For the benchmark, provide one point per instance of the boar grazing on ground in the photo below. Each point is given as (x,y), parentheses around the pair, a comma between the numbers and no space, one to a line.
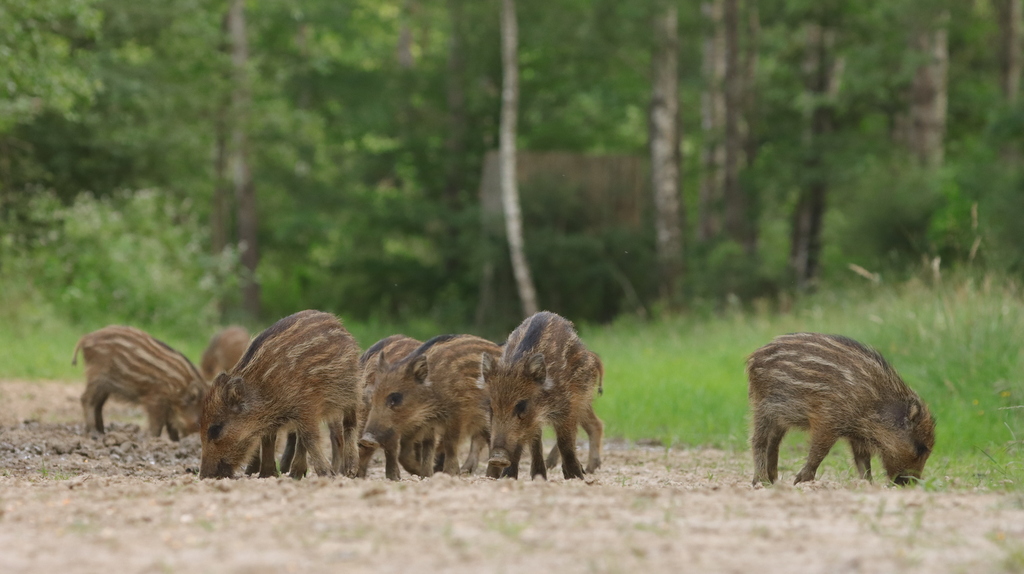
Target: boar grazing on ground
(300,371)
(433,391)
(130,364)
(544,375)
(393,346)
(224,350)
(836,388)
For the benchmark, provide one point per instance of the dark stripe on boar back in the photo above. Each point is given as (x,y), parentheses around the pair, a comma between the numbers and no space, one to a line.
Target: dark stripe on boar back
(425,347)
(275,329)
(864,349)
(179,353)
(538,324)
(376,347)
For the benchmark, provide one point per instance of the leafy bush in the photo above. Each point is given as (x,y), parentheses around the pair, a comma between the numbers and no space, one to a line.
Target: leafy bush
(136,256)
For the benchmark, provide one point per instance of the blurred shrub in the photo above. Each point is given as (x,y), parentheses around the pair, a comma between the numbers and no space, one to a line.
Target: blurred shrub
(136,257)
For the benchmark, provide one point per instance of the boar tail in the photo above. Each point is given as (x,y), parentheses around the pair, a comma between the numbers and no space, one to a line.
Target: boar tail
(74,357)
(600,378)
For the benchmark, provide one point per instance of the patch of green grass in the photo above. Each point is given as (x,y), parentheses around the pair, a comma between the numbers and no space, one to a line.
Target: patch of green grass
(681,379)
(52,474)
(961,347)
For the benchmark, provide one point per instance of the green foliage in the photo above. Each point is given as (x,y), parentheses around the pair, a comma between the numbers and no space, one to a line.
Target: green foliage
(40,69)
(367,171)
(137,256)
(958,346)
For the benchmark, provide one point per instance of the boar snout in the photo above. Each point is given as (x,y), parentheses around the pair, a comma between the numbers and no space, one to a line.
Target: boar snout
(500,458)
(369,440)
(222,470)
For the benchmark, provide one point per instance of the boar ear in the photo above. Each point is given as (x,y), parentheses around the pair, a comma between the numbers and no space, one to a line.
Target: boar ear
(536,369)
(420,371)
(382,364)
(234,395)
(914,412)
(486,364)
(221,379)
(486,368)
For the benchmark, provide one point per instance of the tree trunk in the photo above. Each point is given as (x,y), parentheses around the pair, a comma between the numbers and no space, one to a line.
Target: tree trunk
(709,200)
(245,192)
(404,48)
(749,99)
(928,94)
(455,139)
(735,202)
(507,150)
(823,73)
(219,210)
(664,145)
(1009,15)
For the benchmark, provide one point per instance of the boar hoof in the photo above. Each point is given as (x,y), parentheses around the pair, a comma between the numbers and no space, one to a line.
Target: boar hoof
(804,476)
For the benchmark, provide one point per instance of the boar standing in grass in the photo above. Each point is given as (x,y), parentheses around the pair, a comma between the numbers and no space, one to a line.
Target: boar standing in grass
(130,364)
(300,371)
(224,350)
(836,388)
(545,375)
(432,391)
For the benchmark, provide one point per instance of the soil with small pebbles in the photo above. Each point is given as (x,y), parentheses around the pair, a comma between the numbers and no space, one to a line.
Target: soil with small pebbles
(127,502)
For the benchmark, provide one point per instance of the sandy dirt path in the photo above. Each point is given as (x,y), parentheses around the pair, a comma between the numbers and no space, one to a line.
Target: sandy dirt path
(129,503)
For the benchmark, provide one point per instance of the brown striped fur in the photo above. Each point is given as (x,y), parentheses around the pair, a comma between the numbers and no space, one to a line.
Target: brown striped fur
(431,392)
(128,363)
(392,346)
(836,388)
(298,372)
(545,375)
(224,350)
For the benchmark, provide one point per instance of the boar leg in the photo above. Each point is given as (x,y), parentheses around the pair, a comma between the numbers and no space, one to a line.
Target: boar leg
(298,466)
(476,444)
(308,435)
(172,433)
(268,444)
(537,467)
(595,431)
(409,454)
(157,418)
(365,454)
(254,463)
(565,433)
(553,457)
(862,457)
(512,470)
(821,443)
(289,453)
(337,436)
(391,471)
(427,448)
(450,450)
(93,399)
(350,445)
(764,445)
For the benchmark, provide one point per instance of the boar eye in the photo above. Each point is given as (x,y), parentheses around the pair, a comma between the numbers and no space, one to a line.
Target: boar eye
(520,409)
(394,400)
(214,432)
(921,449)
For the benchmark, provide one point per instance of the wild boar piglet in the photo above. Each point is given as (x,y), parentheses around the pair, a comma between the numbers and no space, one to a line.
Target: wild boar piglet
(836,388)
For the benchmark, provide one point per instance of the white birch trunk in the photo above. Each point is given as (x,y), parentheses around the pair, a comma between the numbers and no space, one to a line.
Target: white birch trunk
(507,151)
(664,146)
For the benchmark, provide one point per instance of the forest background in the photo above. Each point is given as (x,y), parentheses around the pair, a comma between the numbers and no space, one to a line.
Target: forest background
(853,166)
